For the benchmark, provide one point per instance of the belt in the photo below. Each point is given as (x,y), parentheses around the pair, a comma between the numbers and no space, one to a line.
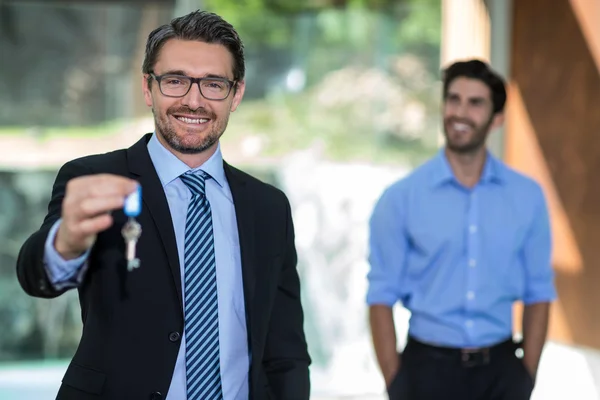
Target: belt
(469,357)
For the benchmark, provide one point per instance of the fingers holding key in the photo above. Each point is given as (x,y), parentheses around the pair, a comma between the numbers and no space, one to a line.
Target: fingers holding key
(86,210)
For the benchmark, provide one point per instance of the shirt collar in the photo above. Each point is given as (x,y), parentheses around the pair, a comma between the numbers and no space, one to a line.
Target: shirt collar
(169,167)
(442,172)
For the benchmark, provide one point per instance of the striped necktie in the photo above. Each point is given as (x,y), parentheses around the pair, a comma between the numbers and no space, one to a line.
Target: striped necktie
(203,376)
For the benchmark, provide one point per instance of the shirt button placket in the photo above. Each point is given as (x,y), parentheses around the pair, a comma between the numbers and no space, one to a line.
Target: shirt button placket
(472,254)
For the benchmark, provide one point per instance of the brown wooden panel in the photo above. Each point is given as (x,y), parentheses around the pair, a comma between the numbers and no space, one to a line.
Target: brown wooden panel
(558,83)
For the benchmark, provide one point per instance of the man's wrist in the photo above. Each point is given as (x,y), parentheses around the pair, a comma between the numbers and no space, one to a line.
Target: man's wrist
(65,253)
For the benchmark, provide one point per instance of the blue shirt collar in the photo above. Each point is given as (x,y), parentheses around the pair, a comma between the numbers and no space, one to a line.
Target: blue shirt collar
(442,172)
(169,167)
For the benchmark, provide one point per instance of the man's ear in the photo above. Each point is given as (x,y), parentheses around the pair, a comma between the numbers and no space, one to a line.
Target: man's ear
(147,89)
(498,120)
(238,95)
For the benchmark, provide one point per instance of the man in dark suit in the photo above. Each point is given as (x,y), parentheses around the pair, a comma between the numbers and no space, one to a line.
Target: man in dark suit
(213,311)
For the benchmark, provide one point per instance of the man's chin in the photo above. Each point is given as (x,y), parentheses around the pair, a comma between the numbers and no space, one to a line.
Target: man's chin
(192,148)
(188,142)
(464,148)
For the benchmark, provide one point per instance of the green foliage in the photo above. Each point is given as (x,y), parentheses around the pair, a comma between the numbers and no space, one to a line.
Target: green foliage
(355,121)
(257,24)
(333,35)
(355,24)
(422,24)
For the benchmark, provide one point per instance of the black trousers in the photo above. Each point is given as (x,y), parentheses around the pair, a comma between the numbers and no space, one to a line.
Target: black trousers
(435,373)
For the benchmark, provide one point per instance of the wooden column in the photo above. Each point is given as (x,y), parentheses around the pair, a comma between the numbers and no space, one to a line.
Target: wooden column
(552,135)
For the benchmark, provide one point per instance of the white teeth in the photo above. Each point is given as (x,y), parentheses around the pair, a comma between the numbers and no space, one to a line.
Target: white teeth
(460,127)
(193,121)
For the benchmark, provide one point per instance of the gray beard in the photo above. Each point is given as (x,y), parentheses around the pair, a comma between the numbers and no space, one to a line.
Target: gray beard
(169,135)
(173,141)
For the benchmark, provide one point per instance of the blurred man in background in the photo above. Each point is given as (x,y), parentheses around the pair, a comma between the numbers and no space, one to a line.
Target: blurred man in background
(457,242)
(213,311)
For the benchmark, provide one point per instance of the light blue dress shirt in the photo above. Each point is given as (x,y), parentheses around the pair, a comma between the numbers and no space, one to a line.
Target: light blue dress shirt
(235,359)
(457,258)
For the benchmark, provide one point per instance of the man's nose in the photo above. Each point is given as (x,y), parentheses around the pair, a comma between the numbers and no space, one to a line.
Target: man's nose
(460,111)
(194,99)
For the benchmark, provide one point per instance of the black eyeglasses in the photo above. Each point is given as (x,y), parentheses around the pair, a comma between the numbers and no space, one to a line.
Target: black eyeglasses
(172,85)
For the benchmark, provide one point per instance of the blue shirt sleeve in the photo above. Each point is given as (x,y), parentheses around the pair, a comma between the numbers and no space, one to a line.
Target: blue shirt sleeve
(63,274)
(388,247)
(537,256)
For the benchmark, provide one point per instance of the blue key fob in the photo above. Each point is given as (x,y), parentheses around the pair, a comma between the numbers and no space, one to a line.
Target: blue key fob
(133,203)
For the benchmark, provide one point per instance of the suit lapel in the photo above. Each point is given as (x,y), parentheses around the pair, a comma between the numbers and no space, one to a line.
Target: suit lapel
(242,200)
(153,196)
(140,166)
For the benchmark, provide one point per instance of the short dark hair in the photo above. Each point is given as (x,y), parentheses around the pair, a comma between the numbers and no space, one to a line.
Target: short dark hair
(477,69)
(201,26)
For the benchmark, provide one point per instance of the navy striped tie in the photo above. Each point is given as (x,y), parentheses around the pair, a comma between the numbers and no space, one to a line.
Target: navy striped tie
(203,375)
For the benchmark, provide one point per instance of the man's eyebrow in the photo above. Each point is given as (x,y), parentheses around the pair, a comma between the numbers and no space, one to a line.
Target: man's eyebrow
(183,73)
(173,72)
(477,99)
(216,76)
(472,99)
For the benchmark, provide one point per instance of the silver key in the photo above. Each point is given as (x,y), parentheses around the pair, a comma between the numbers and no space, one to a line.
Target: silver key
(132,230)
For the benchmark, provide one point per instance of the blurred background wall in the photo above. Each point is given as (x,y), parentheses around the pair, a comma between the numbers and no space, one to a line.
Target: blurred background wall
(339,92)
(553,127)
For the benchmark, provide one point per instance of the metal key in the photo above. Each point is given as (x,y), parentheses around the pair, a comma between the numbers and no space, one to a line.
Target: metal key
(131,232)
(132,229)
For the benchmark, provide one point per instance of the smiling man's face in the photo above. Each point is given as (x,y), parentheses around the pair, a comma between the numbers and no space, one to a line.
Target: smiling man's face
(191,124)
(468,115)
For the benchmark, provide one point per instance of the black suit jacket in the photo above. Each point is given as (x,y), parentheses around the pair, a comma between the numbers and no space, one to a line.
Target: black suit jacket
(132,321)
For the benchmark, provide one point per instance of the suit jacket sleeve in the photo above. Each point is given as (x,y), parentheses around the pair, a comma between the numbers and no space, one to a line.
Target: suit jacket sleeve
(286,358)
(31,271)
